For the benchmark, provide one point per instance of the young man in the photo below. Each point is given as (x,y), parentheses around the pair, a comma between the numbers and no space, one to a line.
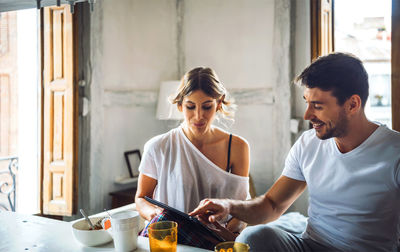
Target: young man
(350,165)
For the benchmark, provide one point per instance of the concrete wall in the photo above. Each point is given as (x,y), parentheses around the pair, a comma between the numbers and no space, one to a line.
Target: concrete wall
(134,45)
(133,49)
(301,58)
(236,38)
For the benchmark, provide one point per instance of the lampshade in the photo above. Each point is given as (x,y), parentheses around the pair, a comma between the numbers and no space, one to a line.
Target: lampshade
(165,109)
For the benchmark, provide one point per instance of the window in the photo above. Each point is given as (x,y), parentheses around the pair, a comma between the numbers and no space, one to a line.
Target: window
(367,34)
(381,54)
(38,115)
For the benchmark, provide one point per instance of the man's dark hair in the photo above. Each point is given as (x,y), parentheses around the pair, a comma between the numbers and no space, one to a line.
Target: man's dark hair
(341,73)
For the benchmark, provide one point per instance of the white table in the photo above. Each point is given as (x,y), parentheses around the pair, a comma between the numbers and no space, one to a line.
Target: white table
(32,233)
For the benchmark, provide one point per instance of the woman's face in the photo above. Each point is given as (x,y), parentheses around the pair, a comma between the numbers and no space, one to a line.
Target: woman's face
(199,111)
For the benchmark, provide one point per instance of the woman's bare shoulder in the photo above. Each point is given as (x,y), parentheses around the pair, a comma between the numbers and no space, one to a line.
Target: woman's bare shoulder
(226,134)
(240,142)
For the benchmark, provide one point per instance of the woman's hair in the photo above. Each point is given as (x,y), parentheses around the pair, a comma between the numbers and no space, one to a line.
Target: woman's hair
(206,80)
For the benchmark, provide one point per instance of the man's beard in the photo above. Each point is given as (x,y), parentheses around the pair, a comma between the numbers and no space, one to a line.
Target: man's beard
(338,130)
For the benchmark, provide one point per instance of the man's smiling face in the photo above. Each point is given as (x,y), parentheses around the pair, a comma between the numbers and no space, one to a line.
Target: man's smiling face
(328,118)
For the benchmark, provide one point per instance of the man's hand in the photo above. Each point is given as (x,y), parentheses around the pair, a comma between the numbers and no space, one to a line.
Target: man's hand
(215,209)
(218,229)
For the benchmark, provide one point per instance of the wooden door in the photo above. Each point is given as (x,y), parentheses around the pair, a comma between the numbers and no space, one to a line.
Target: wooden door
(60,112)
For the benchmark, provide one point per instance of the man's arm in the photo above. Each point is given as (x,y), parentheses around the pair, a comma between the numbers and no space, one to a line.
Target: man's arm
(263,209)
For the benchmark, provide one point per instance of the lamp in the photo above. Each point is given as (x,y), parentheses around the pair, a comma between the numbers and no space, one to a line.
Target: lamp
(165,109)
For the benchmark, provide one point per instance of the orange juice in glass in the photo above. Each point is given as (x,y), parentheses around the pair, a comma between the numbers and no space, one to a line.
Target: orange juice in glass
(163,236)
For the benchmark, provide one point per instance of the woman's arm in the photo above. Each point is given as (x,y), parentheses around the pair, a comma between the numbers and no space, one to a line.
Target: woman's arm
(240,156)
(146,186)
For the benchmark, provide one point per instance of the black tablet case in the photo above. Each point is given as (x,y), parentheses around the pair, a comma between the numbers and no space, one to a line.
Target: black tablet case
(208,238)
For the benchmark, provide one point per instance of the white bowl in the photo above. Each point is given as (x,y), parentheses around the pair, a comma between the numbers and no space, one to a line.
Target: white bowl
(87,237)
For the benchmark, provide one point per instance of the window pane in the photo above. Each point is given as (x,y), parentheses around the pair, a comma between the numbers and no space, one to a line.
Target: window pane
(367,34)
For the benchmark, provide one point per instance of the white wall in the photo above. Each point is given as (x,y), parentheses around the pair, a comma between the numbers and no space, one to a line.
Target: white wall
(235,38)
(302,57)
(133,50)
(136,44)
(302,52)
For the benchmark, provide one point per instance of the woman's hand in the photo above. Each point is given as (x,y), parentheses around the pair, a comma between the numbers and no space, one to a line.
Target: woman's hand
(146,187)
(156,211)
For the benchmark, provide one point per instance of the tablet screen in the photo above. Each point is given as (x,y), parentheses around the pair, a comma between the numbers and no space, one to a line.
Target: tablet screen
(185,216)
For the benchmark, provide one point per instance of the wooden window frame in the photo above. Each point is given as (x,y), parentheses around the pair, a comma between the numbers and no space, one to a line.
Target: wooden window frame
(322,27)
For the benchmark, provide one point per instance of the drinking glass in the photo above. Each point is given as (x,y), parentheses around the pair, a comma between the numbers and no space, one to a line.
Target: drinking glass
(231,246)
(163,236)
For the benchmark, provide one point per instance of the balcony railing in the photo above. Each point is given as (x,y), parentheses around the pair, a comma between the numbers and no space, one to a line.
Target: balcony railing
(8,183)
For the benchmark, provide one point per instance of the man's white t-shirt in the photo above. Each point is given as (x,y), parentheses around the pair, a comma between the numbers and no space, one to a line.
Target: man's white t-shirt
(184,175)
(354,197)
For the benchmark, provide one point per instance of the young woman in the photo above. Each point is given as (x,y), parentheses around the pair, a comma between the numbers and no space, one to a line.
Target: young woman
(195,160)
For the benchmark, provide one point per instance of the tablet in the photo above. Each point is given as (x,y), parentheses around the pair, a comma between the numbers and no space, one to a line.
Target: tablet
(190,219)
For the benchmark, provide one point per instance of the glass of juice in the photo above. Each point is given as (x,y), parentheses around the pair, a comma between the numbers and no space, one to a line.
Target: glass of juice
(231,246)
(163,236)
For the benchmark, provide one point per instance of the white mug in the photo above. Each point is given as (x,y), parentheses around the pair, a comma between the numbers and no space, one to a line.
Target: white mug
(124,227)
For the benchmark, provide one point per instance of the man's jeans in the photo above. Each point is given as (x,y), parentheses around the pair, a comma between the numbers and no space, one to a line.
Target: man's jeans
(263,238)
